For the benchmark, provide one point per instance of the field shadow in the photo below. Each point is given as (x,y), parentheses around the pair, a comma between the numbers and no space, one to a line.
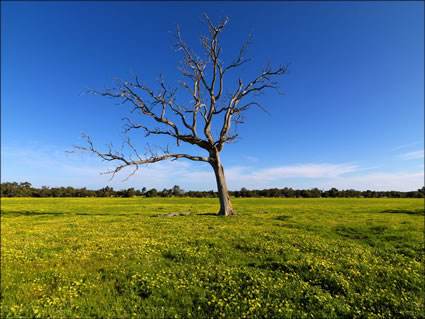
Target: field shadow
(283,217)
(308,273)
(27,213)
(107,214)
(351,232)
(207,214)
(404,211)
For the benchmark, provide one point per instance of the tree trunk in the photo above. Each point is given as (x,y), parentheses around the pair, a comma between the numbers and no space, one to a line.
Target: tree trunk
(223,193)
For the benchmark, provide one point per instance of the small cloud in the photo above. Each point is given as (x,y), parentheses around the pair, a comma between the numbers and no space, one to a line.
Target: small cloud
(412,155)
(407,145)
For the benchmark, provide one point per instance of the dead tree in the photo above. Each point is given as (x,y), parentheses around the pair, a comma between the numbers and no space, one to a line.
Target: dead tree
(203,78)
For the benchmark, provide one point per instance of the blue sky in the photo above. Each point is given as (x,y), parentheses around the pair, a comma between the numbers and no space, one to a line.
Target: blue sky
(352,115)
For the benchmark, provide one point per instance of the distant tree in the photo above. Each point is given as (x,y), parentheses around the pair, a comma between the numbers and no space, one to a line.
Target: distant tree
(44,192)
(244,192)
(211,110)
(25,185)
(349,193)
(8,190)
(105,192)
(394,194)
(212,194)
(82,192)
(14,189)
(367,194)
(305,193)
(333,192)
(108,191)
(56,192)
(315,192)
(275,192)
(177,191)
(129,192)
(288,192)
(152,193)
(165,193)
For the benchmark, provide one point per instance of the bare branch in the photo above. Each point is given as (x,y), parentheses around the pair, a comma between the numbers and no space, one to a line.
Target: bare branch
(114,156)
(241,58)
(264,80)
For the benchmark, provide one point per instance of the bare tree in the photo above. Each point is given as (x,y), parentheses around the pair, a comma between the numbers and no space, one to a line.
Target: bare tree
(203,79)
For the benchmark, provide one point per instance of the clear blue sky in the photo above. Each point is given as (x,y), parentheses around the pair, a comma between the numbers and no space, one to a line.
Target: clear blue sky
(352,115)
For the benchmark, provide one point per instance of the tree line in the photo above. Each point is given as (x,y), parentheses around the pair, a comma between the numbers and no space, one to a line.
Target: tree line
(25,189)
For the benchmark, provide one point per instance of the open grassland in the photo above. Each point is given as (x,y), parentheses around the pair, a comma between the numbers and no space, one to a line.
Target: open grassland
(304,258)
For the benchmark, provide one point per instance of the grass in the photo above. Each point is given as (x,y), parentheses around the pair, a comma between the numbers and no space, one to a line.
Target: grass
(302,258)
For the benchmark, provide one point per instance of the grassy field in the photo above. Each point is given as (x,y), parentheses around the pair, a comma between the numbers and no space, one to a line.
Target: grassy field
(303,258)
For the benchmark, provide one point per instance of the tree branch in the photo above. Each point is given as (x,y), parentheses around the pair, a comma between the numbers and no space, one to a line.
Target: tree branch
(151,157)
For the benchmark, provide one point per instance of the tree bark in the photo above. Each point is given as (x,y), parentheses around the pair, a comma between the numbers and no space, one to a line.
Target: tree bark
(226,208)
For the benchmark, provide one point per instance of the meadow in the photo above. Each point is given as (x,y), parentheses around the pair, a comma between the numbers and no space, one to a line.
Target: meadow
(282,258)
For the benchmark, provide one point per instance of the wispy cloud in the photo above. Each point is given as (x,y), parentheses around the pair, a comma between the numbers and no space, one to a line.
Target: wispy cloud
(400,181)
(78,170)
(399,147)
(324,176)
(412,155)
(267,176)
(51,166)
(281,176)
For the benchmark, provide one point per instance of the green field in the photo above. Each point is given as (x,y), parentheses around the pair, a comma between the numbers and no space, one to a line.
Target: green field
(302,258)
